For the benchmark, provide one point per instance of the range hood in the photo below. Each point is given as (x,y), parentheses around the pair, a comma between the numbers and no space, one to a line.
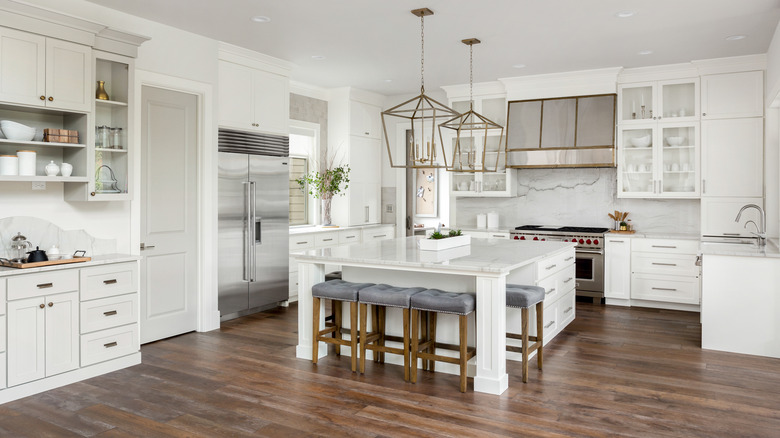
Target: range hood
(576,131)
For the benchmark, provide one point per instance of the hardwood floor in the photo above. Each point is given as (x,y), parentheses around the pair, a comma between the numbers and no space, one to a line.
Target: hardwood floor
(612,372)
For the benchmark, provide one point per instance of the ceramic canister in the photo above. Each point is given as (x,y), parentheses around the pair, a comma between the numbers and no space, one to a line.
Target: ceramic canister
(481,220)
(26,162)
(9,165)
(66,169)
(52,169)
(492,219)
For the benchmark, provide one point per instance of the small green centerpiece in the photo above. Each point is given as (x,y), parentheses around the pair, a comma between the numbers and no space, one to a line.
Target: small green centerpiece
(439,241)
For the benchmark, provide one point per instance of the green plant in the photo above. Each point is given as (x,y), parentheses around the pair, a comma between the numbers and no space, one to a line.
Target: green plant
(454,233)
(323,185)
(437,235)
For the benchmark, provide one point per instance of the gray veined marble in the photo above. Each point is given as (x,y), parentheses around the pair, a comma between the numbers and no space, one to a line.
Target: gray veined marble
(45,234)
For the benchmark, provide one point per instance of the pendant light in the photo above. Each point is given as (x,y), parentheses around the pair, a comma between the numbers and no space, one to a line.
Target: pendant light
(423,150)
(472,127)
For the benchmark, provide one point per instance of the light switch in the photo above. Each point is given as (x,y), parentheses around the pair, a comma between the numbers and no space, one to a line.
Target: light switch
(389,208)
(39,185)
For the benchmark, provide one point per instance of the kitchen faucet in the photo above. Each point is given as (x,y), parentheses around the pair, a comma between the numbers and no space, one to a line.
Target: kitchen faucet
(761,234)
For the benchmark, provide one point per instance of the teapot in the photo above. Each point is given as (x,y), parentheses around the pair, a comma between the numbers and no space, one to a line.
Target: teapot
(19,246)
(38,255)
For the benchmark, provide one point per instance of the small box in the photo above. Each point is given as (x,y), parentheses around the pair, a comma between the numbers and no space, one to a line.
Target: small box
(73,136)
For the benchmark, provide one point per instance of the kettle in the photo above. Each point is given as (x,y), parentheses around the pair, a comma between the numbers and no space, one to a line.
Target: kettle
(38,255)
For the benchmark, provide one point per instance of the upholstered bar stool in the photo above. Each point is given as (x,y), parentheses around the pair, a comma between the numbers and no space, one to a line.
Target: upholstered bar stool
(523,297)
(438,301)
(382,296)
(337,291)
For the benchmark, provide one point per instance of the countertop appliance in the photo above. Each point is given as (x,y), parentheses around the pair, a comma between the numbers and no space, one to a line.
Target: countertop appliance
(589,251)
(253,222)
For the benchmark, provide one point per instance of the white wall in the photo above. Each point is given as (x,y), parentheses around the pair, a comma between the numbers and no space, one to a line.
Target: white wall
(772,136)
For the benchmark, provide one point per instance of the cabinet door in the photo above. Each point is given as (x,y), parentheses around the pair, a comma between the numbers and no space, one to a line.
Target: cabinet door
(372,199)
(636,166)
(271,102)
(718,214)
(733,157)
(679,100)
(365,159)
(235,96)
(26,346)
(636,102)
(62,333)
(732,95)
(68,75)
(364,120)
(617,268)
(678,160)
(22,67)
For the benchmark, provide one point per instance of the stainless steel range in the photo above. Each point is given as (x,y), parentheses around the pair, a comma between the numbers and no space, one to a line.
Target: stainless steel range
(589,252)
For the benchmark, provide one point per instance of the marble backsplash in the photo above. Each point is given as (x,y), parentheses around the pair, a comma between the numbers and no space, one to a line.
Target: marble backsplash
(44,234)
(579,197)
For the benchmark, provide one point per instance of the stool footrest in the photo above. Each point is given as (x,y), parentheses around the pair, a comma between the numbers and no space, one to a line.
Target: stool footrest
(520,337)
(531,348)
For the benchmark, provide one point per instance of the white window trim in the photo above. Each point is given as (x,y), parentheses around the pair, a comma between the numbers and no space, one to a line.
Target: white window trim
(309,129)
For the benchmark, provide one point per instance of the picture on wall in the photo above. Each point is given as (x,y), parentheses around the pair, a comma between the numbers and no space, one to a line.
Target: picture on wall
(425,192)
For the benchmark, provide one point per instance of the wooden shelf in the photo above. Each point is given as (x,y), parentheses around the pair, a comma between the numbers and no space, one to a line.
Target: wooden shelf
(77,179)
(42,144)
(109,102)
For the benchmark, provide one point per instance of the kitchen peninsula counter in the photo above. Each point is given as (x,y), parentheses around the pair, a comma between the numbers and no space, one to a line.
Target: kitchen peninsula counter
(96,261)
(484,267)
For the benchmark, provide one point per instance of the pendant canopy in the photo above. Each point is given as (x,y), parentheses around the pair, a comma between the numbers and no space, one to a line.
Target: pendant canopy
(423,150)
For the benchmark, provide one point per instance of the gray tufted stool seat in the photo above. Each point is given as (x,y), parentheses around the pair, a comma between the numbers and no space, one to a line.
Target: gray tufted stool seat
(433,302)
(382,296)
(525,297)
(337,291)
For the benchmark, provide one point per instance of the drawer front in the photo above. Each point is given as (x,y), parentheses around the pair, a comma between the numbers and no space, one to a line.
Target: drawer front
(109,312)
(665,246)
(324,240)
(293,283)
(109,280)
(349,236)
(2,296)
(567,308)
(551,292)
(558,284)
(552,265)
(550,326)
(2,335)
(109,344)
(666,264)
(299,242)
(654,288)
(378,233)
(44,283)
(3,372)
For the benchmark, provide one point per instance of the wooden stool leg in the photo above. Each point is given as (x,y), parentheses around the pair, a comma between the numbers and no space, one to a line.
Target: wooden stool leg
(406,344)
(338,311)
(363,333)
(524,317)
(382,327)
(432,328)
(539,332)
(463,338)
(353,330)
(315,304)
(375,327)
(415,342)
(425,334)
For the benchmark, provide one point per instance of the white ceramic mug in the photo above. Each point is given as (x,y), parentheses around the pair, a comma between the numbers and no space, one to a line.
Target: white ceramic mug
(66,169)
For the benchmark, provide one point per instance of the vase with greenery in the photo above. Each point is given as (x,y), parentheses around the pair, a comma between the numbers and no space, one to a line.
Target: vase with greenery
(334,180)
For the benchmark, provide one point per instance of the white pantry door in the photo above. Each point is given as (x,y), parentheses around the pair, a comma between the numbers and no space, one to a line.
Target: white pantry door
(169,295)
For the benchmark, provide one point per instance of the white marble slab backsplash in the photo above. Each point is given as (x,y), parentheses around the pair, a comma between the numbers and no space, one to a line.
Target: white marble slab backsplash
(579,197)
(44,234)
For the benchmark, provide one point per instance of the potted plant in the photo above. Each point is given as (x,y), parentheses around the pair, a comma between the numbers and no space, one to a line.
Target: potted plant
(333,180)
(439,241)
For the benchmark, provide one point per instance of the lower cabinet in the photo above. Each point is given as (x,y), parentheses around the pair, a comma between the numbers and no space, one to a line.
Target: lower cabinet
(617,269)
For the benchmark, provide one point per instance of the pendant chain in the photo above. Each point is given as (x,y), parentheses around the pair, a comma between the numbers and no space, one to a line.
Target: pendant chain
(471,77)
(422,54)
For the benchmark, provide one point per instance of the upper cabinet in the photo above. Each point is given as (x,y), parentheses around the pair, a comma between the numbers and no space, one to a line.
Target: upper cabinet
(732,95)
(672,100)
(251,99)
(365,120)
(44,72)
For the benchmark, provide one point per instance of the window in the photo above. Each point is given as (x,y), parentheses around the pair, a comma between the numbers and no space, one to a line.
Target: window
(304,148)
(299,212)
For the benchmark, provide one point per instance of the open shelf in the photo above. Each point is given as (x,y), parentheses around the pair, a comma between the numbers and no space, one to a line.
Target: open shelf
(42,143)
(17,178)
(109,102)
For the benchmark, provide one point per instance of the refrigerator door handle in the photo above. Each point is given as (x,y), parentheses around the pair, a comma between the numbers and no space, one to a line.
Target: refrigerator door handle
(253,226)
(247,203)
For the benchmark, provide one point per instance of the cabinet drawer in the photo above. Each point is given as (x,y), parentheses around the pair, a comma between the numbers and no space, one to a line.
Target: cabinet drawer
(300,242)
(109,312)
(2,296)
(324,240)
(551,321)
(349,236)
(654,288)
(667,264)
(666,246)
(2,335)
(567,308)
(378,233)
(554,264)
(109,344)
(44,283)
(109,280)
(558,284)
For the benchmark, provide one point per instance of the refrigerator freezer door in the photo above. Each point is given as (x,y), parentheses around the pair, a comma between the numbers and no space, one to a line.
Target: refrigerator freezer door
(270,233)
(234,269)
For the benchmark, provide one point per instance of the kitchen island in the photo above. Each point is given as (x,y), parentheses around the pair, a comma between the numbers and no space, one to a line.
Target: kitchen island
(484,267)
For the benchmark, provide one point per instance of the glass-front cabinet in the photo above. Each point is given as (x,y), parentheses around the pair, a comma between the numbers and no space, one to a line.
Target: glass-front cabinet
(673,101)
(658,160)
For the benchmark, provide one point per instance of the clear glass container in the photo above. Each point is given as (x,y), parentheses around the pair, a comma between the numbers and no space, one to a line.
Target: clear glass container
(101,136)
(116,138)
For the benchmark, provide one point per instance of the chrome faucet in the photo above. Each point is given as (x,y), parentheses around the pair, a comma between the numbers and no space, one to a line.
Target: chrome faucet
(761,234)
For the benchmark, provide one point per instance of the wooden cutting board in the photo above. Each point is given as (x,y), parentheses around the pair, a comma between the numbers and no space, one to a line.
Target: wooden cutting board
(10,264)
(622,231)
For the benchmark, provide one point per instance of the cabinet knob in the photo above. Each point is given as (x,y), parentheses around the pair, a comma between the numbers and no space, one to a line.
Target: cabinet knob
(367,133)
(41,305)
(92,194)
(51,304)
(704,114)
(43,97)
(51,99)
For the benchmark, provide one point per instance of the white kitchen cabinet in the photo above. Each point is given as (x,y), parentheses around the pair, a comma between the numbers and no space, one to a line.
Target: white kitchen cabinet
(733,157)
(732,95)
(718,214)
(365,120)
(44,72)
(665,271)
(252,99)
(617,269)
(671,100)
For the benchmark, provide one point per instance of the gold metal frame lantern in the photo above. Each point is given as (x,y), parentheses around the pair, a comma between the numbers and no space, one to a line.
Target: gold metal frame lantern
(424,113)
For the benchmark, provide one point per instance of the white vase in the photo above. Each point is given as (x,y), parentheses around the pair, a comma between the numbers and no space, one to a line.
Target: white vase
(67,169)
(326,204)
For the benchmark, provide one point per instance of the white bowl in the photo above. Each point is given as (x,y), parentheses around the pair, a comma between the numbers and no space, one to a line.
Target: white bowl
(641,142)
(16,131)
(675,141)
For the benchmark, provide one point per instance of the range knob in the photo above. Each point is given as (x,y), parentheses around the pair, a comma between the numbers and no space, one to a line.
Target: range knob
(565,240)
(543,239)
(536,238)
(517,237)
(588,241)
(522,237)
(596,241)
(581,241)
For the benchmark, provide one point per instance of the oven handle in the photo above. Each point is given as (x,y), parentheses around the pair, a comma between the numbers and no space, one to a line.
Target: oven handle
(589,251)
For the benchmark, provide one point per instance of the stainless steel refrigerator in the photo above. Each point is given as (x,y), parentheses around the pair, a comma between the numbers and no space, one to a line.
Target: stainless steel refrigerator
(253,222)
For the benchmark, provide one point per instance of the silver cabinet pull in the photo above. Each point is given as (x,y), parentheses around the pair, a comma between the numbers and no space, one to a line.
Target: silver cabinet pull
(665,264)
(568,279)
(144,246)
(112,281)
(301,243)
(663,246)
(110,344)
(731,234)
(367,208)
(665,288)
(704,184)
(617,241)
(497,235)
(568,310)
(550,291)
(380,235)
(350,237)
(550,267)
(569,259)
(366,133)
(45,285)
(327,240)
(549,325)
(110,313)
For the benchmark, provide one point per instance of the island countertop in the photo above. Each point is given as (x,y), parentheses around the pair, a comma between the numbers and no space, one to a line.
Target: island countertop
(496,256)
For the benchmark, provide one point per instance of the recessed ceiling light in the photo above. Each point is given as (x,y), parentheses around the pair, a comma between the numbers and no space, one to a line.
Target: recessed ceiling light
(625,14)
(388,80)
(260,19)
(317,57)
(645,52)
(735,37)
(519,66)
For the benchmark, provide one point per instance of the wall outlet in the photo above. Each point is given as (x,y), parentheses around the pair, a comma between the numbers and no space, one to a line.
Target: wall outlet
(389,208)
(39,185)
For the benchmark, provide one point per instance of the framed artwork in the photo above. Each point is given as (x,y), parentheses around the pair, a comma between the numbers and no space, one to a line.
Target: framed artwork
(425,190)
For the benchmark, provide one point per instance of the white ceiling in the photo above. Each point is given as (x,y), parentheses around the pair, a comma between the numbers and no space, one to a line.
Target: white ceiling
(367,43)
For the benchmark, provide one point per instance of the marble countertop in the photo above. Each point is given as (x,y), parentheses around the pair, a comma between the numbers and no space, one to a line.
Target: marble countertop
(655,235)
(96,261)
(496,256)
(741,250)
(321,229)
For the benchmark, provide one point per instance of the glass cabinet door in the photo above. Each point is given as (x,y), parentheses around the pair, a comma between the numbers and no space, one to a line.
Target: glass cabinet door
(678,156)
(636,165)
(637,102)
(679,100)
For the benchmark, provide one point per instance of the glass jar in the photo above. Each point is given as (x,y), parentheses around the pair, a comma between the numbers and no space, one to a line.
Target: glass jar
(116,138)
(101,136)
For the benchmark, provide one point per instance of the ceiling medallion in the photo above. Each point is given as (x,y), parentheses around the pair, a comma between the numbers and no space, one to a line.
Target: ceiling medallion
(424,114)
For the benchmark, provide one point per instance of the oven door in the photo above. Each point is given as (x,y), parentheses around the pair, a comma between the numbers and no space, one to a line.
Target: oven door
(590,273)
